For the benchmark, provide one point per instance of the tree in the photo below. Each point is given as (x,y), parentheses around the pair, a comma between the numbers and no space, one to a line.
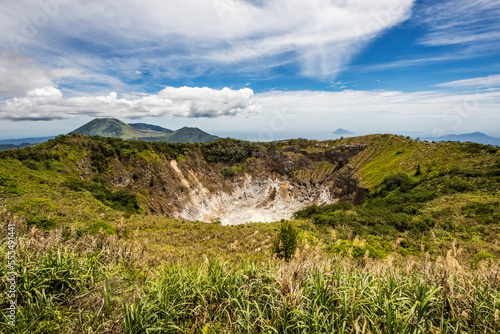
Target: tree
(285,243)
(419,170)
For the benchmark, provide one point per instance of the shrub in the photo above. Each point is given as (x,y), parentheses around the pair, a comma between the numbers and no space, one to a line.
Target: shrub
(74,184)
(448,226)
(228,172)
(227,150)
(8,186)
(307,212)
(285,243)
(411,210)
(313,210)
(181,158)
(31,164)
(122,200)
(34,208)
(401,180)
(43,222)
(481,256)
(457,185)
(422,225)
(334,219)
(100,225)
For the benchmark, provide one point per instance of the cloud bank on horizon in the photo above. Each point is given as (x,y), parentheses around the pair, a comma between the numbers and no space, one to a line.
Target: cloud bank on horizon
(47,103)
(198,59)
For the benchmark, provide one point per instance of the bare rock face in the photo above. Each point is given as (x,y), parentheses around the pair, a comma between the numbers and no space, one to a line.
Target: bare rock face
(273,187)
(269,186)
(253,200)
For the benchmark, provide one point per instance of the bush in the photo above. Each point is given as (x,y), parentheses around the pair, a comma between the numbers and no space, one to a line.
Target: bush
(121,200)
(422,225)
(8,186)
(74,184)
(228,172)
(313,210)
(35,208)
(401,181)
(334,219)
(411,210)
(43,222)
(457,185)
(227,150)
(418,172)
(478,257)
(285,243)
(100,225)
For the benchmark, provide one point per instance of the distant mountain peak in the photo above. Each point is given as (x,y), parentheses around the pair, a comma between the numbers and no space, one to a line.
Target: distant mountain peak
(107,127)
(111,127)
(341,131)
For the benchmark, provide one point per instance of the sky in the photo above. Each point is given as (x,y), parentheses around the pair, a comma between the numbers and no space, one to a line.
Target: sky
(252,69)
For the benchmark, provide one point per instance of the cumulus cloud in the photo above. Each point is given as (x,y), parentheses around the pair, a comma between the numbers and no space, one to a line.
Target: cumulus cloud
(319,35)
(48,103)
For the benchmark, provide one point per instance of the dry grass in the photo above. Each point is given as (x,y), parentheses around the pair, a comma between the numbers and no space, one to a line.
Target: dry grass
(111,284)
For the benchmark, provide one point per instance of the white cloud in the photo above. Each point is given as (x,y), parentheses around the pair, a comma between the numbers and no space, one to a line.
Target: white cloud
(481,82)
(461,22)
(320,35)
(19,74)
(48,103)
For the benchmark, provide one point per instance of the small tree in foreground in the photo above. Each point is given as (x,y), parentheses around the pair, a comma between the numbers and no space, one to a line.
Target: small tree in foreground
(285,243)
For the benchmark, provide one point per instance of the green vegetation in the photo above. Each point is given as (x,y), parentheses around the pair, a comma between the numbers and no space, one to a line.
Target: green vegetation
(122,200)
(108,127)
(419,255)
(8,186)
(100,283)
(413,209)
(227,150)
(232,171)
(285,244)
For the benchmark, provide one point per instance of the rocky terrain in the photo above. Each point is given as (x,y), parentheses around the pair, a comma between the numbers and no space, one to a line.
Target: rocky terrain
(266,186)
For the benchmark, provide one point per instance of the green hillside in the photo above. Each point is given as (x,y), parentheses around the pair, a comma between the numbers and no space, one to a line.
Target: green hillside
(144,126)
(419,254)
(184,135)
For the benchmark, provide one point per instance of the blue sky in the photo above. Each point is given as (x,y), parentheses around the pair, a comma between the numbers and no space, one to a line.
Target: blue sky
(259,70)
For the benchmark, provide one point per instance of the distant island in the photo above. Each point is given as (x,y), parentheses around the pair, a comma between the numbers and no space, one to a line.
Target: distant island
(475,137)
(341,131)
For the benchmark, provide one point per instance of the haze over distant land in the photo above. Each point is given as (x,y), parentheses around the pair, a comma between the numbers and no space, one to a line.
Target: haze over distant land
(258,70)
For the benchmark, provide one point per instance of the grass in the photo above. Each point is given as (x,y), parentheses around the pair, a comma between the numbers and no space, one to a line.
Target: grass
(392,154)
(329,296)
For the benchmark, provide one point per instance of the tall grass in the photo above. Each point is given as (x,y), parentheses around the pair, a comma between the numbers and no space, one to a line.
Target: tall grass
(63,280)
(327,297)
(101,284)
